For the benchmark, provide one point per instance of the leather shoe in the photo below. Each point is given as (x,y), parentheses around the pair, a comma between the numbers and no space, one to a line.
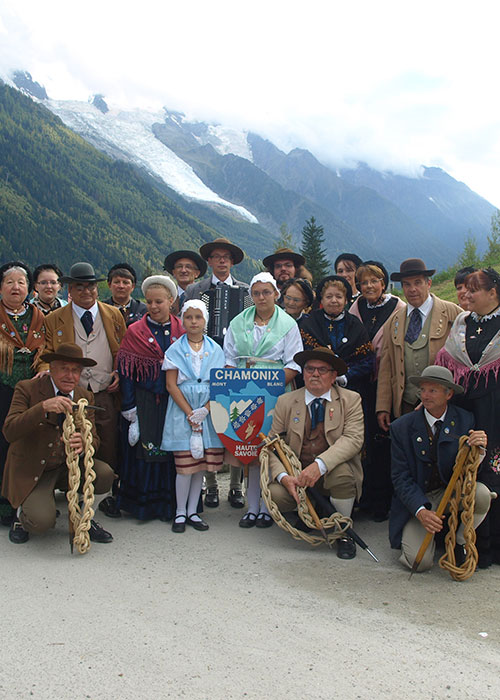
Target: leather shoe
(179,525)
(248,520)
(7,520)
(235,498)
(108,507)
(346,548)
(212,497)
(460,554)
(264,520)
(98,533)
(17,533)
(197,524)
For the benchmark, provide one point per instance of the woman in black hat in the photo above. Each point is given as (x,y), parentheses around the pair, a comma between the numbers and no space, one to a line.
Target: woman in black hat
(373,308)
(346,266)
(22,336)
(334,327)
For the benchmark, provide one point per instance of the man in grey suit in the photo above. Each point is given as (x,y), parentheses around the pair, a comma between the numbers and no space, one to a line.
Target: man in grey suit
(221,256)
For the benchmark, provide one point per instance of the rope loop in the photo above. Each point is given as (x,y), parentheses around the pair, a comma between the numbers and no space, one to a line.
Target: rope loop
(335,525)
(80,519)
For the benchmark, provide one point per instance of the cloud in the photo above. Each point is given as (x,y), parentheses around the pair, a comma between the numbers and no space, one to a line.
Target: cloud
(390,83)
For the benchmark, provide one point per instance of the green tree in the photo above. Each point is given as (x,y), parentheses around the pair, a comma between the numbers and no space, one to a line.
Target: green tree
(316,259)
(285,240)
(234,413)
(492,256)
(469,255)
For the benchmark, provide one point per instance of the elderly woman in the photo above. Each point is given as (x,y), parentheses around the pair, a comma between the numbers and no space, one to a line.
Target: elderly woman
(47,286)
(472,353)
(346,266)
(262,336)
(147,482)
(373,308)
(21,343)
(334,327)
(297,297)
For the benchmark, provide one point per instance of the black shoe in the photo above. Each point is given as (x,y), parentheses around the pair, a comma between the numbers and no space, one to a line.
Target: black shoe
(460,554)
(346,548)
(236,498)
(248,520)
(379,516)
(98,533)
(212,497)
(179,525)
(198,524)
(17,533)
(7,520)
(108,507)
(264,520)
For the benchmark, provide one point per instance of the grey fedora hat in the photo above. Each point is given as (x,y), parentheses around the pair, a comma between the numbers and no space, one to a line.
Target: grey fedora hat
(81,272)
(439,375)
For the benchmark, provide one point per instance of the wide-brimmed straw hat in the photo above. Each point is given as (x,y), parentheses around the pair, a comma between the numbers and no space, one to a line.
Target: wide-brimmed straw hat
(207,248)
(411,267)
(323,354)
(69,352)
(439,375)
(81,272)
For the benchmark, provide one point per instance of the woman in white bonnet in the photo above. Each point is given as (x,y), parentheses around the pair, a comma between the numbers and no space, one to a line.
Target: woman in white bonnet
(188,430)
(263,335)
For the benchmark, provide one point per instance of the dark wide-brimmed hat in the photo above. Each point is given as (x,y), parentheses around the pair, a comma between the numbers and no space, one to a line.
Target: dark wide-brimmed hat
(207,248)
(81,272)
(69,352)
(172,258)
(323,354)
(411,267)
(284,254)
(440,375)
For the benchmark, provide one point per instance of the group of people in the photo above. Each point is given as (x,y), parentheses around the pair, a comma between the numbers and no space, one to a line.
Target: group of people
(378,390)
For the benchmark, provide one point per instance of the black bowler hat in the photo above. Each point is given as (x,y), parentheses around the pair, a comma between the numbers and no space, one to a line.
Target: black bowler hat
(81,272)
(172,258)
(411,267)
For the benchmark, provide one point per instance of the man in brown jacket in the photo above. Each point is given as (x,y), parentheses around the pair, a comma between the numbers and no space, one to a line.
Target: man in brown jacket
(98,329)
(324,427)
(36,460)
(412,338)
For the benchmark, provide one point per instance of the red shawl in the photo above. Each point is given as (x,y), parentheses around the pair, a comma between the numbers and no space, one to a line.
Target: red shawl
(10,338)
(140,357)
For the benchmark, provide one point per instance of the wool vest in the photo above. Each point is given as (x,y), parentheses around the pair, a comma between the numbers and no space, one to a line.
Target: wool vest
(314,443)
(416,359)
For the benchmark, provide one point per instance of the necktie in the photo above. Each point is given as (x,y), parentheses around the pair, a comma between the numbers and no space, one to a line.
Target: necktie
(61,416)
(317,412)
(222,284)
(181,299)
(87,322)
(414,327)
(437,430)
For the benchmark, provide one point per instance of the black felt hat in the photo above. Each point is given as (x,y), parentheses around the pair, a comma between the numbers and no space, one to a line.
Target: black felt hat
(411,267)
(323,354)
(172,258)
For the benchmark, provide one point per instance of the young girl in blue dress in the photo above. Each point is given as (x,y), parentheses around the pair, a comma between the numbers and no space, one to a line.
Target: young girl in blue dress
(188,429)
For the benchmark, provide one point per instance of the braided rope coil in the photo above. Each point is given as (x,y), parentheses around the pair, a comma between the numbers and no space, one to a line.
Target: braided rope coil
(335,525)
(464,493)
(80,519)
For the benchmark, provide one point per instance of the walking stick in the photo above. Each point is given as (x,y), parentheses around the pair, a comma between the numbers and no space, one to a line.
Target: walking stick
(457,470)
(288,467)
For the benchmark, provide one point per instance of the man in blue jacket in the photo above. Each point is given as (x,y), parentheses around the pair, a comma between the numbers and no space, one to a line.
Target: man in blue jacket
(424,446)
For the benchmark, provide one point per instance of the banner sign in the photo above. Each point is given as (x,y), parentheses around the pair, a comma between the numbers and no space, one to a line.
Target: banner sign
(241,406)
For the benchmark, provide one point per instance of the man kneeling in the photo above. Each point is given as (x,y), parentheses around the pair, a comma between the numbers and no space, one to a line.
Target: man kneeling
(324,427)
(36,460)
(424,447)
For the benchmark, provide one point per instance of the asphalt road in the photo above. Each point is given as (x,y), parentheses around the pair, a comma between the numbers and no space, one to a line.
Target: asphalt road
(233,613)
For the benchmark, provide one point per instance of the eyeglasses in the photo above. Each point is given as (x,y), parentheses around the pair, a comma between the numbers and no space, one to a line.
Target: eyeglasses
(294,300)
(286,264)
(264,293)
(220,258)
(320,370)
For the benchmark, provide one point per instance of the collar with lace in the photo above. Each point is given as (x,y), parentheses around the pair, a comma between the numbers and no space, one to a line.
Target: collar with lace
(385,299)
(479,319)
(335,318)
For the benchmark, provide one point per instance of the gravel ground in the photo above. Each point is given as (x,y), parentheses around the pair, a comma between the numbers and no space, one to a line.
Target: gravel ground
(233,613)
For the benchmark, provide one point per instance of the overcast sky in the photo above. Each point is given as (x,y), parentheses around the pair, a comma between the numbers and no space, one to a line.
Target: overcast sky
(395,84)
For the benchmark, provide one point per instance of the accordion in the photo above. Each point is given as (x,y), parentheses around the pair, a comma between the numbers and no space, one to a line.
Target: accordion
(223,304)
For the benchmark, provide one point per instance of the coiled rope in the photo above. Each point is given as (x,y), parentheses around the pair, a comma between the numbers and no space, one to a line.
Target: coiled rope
(464,493)
(80,520)
(335,525)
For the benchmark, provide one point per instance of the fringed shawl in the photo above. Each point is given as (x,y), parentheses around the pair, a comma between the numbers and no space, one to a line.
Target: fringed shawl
(454,356)
(140,357)
(11,341)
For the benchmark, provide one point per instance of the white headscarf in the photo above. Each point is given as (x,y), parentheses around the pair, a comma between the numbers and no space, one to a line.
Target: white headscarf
(264,277)
(195,304)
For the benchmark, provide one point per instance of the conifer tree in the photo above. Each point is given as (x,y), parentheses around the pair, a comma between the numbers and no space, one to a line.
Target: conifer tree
(316,259)
(285,240)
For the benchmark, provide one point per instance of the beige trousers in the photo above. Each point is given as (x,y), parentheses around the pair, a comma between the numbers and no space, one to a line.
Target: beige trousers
(338,483)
